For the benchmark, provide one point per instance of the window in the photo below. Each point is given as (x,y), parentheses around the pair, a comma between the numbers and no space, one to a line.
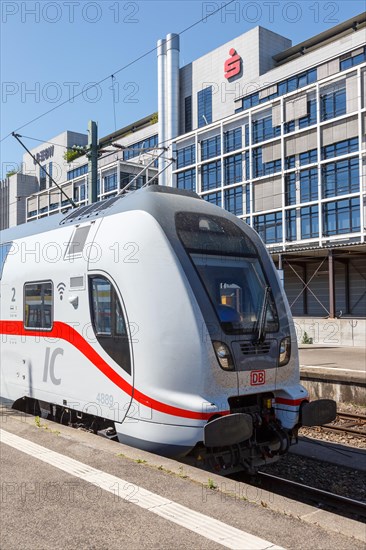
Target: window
(250,101)
(269,227)
(76,172)
(186,156)
(291,225)
(290,162)
(134,149)
(4,251)
(110,182)
(79,193)
(233,169)
(308,157)
(247,200)
(309,185)
(188,113)
(310,118)
(187,180)
(290,189)
(50,168)
(340,178)
(204,110)
(340,148)
(213,198)
(263,169)
(333,104)
(341,216)
(289,127)
(108,321)
(247,165)
(262,129)
(126,179)
(234,200)
(353,60)
(210,147)
(309,222)
(38,305)
(211,175)
(42,178)
(230,271)
(232,140)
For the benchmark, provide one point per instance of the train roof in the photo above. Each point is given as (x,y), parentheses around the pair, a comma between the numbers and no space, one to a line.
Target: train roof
(142,199)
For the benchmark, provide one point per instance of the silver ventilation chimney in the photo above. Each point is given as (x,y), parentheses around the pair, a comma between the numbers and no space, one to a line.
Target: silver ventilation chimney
(161,53)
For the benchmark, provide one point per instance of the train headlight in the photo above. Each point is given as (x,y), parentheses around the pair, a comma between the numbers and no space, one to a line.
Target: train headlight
(285,352)
(223,355)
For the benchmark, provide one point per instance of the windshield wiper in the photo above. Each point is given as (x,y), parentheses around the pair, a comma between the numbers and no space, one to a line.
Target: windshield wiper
(260,333)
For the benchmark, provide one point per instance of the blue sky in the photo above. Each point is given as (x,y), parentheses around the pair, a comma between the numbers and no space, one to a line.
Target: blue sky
(51,50)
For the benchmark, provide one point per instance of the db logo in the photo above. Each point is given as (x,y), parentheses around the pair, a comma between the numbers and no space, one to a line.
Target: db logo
(257,377)
(232,65)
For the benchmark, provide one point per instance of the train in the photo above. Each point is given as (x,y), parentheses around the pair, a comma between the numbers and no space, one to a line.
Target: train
(157,319)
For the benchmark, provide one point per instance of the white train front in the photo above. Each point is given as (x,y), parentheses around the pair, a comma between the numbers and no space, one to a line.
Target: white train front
(157,318)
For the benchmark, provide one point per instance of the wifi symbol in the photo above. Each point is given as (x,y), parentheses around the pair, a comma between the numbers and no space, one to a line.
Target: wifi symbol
(61,289)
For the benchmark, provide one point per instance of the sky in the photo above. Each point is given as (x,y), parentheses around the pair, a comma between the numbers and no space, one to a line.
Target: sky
(54,50)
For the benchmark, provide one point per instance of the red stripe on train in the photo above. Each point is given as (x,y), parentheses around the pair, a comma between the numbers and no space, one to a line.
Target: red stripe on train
(69,334)
(293,402)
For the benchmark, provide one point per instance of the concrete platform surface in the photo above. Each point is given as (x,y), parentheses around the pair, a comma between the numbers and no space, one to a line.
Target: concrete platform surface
(65,488)
(334,361)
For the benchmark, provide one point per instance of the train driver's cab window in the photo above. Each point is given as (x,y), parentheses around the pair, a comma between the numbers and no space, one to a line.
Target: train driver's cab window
(109,322)
(38,305)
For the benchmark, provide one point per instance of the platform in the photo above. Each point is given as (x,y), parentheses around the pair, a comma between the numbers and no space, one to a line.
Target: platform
(334,372)
(65,488)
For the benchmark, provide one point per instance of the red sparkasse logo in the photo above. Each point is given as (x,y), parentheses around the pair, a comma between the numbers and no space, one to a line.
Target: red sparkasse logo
(232,66)
(257,377)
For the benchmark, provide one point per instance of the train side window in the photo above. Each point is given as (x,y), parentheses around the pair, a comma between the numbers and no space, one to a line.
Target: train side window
(38,305)
(4,251)
(108,321)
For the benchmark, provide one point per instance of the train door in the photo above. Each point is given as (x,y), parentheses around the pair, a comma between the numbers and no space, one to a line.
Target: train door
(111,331)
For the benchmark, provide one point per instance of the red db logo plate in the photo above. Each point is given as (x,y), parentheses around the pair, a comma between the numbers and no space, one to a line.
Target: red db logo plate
(257,377)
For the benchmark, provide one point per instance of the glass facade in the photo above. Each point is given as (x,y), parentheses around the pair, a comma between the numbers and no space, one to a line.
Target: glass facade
(269,227)
(186,156)
(211,175)
(233,169)
(333,104)
(210,147)
(187,180)
(204,107)
(341,217)
(340,178)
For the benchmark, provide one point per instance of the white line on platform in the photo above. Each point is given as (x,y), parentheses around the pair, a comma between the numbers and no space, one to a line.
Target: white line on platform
(210,528)
(329,368)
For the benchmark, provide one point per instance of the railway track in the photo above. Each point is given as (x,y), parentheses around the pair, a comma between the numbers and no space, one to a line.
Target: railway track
(311,495)
(354,424)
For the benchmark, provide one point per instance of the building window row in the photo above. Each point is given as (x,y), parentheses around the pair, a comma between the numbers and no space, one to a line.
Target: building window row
(286,86)
(352,59)
(76,172)
(134,150)
(340,148)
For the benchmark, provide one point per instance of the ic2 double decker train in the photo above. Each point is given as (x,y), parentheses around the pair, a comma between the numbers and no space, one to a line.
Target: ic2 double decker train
(158,319)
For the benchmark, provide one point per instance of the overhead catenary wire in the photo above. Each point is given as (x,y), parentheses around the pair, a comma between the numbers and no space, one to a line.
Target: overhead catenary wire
(124,67)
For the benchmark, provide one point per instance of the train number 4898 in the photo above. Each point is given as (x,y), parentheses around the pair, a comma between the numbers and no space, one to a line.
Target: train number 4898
(257,377)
